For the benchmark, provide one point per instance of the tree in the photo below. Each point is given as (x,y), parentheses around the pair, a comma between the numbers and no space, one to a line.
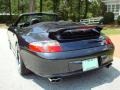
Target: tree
(5,6)
(32,6)
(79,7)
(86,8)
(56,4)
(10,7)
(103,8)
(41,5)
(70,9)
(97,8)
(21,6)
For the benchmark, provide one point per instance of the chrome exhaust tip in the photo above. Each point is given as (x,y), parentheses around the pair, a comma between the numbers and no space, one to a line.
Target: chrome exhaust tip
(54,79)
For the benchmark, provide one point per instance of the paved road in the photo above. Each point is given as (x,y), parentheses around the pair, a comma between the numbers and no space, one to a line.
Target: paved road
(105,79)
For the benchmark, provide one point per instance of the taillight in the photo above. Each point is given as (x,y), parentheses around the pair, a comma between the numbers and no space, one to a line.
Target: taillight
(45,46)
(108,41)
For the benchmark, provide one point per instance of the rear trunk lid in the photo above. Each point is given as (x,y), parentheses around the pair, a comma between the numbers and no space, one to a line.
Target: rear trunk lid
(76,38)
(83,44)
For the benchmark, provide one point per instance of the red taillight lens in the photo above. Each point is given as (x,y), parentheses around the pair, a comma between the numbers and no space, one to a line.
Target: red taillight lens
(108,41)
(45,46)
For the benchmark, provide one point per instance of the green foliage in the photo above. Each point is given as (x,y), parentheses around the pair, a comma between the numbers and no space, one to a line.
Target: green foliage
(69,9)
(4,6)
(118,20)
(108,18)
(97,8)
(4,18)
(8,18)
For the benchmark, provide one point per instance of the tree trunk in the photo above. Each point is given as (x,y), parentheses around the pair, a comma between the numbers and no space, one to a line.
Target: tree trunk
(41,5)
(10,10)
(32,6)
(86,8)
(79,9)
(56,4)
(18,6)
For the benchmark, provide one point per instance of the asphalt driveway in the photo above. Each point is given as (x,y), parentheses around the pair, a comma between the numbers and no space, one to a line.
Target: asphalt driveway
(104,79)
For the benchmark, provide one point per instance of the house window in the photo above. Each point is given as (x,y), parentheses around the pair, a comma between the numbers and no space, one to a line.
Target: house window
(113,8)
(117,8)
(109,8)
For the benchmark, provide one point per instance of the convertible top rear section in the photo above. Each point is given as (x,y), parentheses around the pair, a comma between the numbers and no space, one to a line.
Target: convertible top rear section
(63,30)
(65,36)
(68,35)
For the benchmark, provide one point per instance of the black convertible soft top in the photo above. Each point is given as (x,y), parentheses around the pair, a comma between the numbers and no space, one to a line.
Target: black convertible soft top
(54,26)
(63,25)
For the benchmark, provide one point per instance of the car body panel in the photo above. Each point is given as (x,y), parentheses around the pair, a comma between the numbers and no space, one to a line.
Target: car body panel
(74,51)
(40,32)
(63,64)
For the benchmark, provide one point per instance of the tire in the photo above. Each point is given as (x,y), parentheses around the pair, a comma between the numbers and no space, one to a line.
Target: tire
(21,66)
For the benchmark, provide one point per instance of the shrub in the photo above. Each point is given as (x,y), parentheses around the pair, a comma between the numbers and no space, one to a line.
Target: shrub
(8,18)
(118,20)
(108,18)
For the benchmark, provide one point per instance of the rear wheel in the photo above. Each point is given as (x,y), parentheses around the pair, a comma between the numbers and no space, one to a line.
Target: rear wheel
(21,66)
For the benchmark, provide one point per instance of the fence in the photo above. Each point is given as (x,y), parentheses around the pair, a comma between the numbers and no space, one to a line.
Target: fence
(91,20)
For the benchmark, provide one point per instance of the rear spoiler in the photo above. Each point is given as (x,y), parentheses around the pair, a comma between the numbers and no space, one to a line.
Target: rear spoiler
(96,29)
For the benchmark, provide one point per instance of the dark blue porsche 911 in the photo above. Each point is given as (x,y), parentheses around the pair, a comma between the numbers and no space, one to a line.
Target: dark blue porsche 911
(52,48)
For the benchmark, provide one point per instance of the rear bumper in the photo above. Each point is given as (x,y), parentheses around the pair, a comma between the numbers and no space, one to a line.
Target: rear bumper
(63,67)
(59,65)
(77,72)
(49,70)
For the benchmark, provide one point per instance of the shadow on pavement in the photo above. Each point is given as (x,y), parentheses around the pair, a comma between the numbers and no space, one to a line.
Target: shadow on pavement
(85,81)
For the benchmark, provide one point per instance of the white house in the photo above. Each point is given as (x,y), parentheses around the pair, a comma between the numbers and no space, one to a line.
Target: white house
(113,6)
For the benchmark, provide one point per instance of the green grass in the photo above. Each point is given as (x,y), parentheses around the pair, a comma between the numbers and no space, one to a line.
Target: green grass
(111,31)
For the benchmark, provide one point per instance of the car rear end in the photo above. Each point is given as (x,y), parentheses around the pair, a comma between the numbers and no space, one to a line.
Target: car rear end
(69,51)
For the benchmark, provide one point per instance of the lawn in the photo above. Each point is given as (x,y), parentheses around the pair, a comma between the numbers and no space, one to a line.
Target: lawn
(111,30)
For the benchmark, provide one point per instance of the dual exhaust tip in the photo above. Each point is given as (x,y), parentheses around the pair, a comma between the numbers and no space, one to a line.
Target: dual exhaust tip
(55,79)
(58,79)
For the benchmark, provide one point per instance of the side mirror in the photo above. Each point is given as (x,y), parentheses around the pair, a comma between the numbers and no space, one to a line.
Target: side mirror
(12,28)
